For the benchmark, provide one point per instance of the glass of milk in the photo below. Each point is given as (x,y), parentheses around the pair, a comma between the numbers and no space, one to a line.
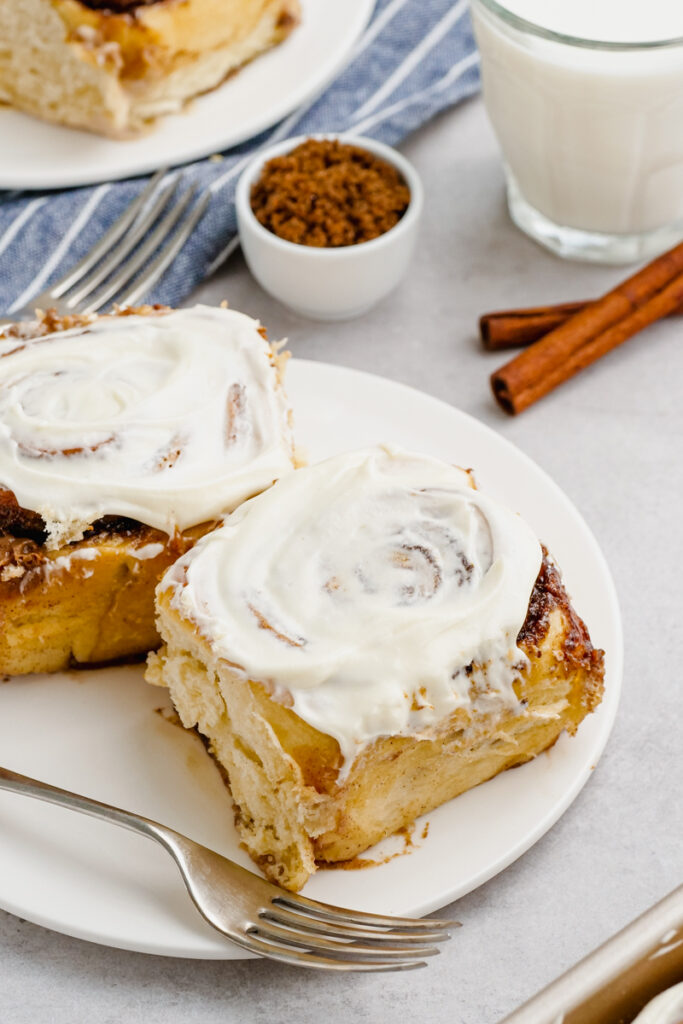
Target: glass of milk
(586,99)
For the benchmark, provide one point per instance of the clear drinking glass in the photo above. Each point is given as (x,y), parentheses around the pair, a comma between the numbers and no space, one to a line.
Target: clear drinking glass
(591,134)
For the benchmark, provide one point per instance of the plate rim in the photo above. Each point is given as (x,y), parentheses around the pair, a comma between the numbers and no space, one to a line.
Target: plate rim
(32,178)
(606,712)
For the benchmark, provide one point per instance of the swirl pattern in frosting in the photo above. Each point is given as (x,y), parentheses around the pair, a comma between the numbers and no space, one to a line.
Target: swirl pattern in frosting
(369,591)
(171,419)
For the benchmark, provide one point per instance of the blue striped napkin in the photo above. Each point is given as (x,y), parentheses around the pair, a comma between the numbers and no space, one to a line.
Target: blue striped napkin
(415,58)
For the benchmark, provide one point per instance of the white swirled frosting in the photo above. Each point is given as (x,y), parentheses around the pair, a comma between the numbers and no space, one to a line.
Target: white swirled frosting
(666,1008)
(363,589)
(170,419)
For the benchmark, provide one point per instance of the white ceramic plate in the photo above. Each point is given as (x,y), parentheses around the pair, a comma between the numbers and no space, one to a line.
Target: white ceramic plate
(97,732)
(43,155)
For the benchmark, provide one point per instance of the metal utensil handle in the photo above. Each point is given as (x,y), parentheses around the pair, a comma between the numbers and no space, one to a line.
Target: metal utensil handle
(13,782)
(614,982)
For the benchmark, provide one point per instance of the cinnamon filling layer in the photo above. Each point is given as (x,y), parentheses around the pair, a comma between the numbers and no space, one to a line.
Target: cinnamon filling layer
(118,6)
(20,523)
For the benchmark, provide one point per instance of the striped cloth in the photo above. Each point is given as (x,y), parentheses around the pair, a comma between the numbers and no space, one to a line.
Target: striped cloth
(415,58)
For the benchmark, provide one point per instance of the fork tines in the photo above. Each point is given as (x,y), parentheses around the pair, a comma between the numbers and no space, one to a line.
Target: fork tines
(133,254)
(299,931)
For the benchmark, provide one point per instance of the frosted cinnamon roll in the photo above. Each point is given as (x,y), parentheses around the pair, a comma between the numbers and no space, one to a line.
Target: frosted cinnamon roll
(365,640)
(122,439)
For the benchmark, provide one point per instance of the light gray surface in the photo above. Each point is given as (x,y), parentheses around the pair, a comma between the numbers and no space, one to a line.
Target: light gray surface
(612,440)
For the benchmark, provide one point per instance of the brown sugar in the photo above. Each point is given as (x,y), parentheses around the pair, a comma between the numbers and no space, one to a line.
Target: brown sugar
(327,193)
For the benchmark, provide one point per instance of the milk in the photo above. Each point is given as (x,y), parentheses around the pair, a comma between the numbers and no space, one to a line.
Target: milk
(592,136)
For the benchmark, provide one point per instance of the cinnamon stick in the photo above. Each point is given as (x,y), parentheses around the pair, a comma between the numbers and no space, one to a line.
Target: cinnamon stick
(515,328)
(652,293)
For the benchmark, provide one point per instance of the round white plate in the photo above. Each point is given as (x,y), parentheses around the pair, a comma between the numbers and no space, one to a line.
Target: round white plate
(44,155)
(97,732)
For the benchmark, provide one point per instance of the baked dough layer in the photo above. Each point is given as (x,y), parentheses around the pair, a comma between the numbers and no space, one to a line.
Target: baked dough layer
(90,602)
(115,72)
(294,809)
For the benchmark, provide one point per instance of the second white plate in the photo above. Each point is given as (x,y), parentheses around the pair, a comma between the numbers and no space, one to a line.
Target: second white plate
(44,155)
(99,733)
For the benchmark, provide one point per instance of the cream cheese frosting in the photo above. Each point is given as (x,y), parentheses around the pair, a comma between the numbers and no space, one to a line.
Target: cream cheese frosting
(666,1008)
(369,592)
(171,419)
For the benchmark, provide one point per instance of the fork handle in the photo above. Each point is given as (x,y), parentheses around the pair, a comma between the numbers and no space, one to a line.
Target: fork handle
(183,850)
(15,783)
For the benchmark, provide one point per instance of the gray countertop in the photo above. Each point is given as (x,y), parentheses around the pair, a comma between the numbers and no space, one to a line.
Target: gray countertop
(611,438)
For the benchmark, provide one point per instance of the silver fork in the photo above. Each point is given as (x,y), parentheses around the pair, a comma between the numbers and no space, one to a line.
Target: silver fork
(153,225)
(259,916)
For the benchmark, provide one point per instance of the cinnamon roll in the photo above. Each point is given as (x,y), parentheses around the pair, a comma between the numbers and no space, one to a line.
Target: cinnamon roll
(115,66)
(122,440)
(364,641)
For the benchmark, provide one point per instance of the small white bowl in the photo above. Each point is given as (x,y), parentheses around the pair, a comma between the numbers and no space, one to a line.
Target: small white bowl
(336,283)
